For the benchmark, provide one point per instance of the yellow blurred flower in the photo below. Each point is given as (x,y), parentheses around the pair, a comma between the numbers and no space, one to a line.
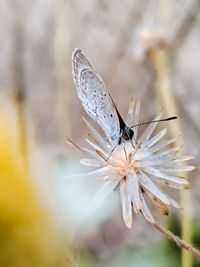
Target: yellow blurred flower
(27,235)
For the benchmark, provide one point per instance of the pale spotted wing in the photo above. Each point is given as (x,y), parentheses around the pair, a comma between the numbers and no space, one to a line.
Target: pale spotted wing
(94,95)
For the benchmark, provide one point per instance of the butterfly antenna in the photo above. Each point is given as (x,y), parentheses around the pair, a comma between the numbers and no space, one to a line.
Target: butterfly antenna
(148,122)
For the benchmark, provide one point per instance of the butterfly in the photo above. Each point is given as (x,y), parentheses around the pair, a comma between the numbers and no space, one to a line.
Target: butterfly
(97,101)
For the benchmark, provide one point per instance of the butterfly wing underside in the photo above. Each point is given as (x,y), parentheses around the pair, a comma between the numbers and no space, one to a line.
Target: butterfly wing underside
(94,95)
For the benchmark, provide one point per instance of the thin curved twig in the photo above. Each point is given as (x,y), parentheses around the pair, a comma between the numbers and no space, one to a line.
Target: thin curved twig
(177,240)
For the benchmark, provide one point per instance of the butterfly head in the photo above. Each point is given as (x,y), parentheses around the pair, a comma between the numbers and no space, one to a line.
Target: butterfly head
(126,134)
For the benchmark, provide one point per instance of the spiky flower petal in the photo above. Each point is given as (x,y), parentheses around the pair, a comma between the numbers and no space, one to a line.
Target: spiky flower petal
(137,168)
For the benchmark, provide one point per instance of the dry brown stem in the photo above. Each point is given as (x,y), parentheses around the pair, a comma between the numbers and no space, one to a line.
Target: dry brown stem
(177,240)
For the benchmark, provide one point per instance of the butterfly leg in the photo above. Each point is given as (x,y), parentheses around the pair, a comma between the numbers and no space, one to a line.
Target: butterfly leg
(111,152)
(132,142)
(124,149)
(135,140)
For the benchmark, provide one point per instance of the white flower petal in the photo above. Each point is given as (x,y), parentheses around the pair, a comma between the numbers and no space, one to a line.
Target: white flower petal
(159,204)
(170,151)
(169,183)
(181,158)
(133,189)
(126,204)
(150,163)
(165,161)
(101,172)
(150,186)
(161,145)
(157,192)
(140,155)
(92,162)
(131,113)
(177,168)
(101,194)
(96,147)
(154,139)
(145,210)
(135,119)
(174,203)
(162,175)
(149,130)
(85,177)
(165,158)
(102,141)
(83,149)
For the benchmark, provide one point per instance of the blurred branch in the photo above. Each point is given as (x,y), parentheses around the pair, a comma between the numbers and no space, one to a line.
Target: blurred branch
(19,82)
(186,26)
(161,61)
(62,62)
(195,128)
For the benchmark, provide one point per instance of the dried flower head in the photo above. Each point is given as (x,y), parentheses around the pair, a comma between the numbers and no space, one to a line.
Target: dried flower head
(137,168)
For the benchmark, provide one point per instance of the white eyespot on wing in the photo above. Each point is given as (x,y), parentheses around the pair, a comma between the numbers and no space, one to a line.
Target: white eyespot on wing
(94,95)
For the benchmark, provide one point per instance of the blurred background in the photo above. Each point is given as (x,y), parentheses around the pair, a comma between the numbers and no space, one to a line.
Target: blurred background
(143,49)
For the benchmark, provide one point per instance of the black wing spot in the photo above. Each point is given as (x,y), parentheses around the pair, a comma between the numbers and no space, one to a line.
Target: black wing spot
(105,94)
(104,116)
(102,98)
(95,90)
(111,115)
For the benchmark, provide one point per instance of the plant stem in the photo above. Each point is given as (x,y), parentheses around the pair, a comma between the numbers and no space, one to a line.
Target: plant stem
(161,60)
(177,240)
